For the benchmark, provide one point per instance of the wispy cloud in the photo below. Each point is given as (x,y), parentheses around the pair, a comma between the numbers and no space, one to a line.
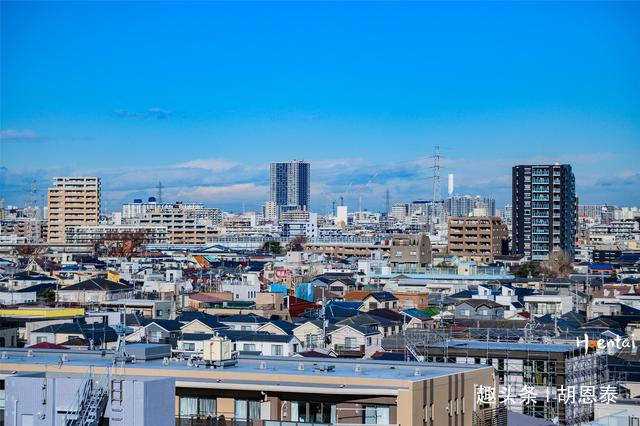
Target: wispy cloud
(151,113)
(19,135)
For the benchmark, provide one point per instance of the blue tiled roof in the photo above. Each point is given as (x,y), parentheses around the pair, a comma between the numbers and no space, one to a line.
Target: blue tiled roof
(416,313)
(244,318)
(285,326)
(600,266)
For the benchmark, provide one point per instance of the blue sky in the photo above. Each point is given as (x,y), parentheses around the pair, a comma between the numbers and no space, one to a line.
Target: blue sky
(202,96)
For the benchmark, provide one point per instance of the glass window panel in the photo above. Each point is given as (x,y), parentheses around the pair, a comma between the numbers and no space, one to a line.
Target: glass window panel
(188,406)
(370,417)
(382,414)
(254,410)
(207,407)
(241,409)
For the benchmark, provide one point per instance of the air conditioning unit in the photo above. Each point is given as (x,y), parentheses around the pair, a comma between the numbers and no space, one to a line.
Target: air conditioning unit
(217,349)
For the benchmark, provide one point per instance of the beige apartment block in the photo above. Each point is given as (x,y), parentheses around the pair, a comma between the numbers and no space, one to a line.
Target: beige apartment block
(183,227)
(478,238)
(72,201)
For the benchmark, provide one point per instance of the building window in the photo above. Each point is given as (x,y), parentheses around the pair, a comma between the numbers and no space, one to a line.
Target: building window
(197,407)
(154,336)
(189,346)
(313,412)
(247,409)
(350,343)
(249,347)
(276,350)
(375,415)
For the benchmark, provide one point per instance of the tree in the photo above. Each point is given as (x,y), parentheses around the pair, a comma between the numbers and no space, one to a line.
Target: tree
(272,247)
(559,265)
(30,252)
(120,244)
(297,244)
(529,269)
(49,295)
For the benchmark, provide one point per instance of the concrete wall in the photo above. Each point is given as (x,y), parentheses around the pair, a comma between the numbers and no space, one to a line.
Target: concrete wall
(44,400)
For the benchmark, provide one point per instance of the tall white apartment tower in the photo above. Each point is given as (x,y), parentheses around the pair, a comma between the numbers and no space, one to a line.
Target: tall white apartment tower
(72,201)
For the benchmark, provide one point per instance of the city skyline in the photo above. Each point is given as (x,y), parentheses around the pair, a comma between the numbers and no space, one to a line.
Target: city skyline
(204,111)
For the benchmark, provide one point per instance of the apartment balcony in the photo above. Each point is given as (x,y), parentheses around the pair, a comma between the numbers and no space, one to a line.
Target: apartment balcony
(541,180)
(540,240)
(543,222)
(540,213)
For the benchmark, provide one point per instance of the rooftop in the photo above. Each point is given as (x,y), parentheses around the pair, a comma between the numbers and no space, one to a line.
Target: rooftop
(270,368)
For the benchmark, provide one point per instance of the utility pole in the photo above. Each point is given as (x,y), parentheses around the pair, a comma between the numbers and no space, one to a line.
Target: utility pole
(324,320)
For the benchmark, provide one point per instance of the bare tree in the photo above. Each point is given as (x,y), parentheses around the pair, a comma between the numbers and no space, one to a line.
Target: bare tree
(297,244)
(30,252)
(120,244)
(559,265)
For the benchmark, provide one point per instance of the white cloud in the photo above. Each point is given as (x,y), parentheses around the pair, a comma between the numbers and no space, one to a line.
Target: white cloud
(227,184)
(18,135)
(212,164)
(155,112)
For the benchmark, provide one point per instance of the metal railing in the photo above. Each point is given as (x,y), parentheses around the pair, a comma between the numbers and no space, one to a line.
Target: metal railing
(222,421)
(490,416)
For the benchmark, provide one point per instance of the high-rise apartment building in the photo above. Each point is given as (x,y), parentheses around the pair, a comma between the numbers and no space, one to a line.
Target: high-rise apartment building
(544,210)
(460,206)
(400,211)
(506,214)
(72,201)
(290,184)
